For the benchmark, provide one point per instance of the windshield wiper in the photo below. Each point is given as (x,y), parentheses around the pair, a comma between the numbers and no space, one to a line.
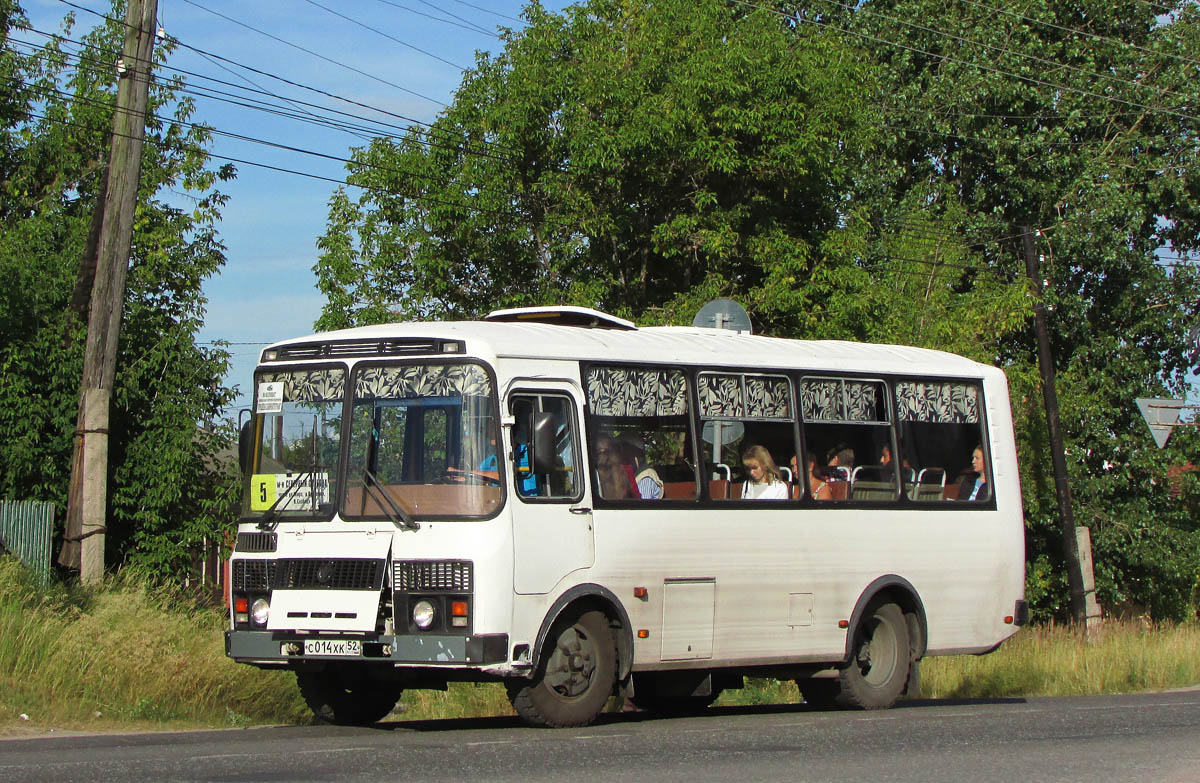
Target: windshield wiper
(265,523)
(398,516)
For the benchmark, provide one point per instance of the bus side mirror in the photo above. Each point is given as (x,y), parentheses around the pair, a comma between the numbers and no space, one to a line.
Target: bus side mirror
(245,447)
(545,426)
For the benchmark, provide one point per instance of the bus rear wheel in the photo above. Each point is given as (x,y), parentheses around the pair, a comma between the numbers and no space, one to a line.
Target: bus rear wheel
(338,697)
(575,677)
(879,663)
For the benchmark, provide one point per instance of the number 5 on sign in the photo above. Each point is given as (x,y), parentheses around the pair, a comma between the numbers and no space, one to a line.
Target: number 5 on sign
(262,491)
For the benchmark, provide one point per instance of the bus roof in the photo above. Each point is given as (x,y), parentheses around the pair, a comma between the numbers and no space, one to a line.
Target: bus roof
(667,344)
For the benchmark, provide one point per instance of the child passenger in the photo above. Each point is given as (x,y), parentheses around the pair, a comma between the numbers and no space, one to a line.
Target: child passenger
(764,482)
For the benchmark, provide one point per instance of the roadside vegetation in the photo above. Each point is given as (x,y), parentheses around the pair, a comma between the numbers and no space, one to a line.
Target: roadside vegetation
(130,656)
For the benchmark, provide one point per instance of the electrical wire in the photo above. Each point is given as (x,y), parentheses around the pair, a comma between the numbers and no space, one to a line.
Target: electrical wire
(388,36)
(322,57)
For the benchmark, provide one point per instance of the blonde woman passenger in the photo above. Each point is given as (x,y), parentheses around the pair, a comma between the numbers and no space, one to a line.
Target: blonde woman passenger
(764,482)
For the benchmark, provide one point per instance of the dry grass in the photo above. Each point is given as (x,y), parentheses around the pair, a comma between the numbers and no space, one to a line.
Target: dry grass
(1053,660)
(132,657)
(124,656)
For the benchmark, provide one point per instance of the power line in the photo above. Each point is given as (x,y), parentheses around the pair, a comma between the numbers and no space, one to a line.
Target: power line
(944,58)
(869,11)
(385,35)
(1086,33)
(430,134)
(467,24)
(489,11)
(314,54)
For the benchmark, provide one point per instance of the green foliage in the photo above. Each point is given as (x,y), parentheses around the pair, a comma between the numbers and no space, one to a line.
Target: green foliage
(127,653)
(625,155)
(1000,115)
(860,171)
(167,492)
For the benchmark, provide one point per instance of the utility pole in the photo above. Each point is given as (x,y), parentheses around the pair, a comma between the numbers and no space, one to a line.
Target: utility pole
(87,502)
(1077,542)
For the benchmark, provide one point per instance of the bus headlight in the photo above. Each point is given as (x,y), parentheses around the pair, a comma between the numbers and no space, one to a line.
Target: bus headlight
(422,614)
(260,610)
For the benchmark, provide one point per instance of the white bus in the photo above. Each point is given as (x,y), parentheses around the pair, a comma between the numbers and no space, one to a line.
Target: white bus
(559,500)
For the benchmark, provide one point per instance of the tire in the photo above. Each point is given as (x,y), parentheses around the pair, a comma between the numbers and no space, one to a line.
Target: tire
(575,676)
(879,660)
(649,695)
(341,700)
(820,692)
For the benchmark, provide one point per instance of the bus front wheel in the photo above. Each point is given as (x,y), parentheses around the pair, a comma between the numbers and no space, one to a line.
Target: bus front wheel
(575,676)
(879,663)
(339,698)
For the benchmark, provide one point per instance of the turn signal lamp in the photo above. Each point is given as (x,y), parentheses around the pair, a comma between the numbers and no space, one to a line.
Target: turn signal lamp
(640,592)
(458,614)
(843,623)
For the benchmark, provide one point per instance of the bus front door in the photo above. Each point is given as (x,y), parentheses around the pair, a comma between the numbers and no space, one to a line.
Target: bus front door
(552,518)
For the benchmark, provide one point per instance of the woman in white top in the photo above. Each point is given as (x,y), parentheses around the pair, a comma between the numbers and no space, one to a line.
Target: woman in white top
(764,482)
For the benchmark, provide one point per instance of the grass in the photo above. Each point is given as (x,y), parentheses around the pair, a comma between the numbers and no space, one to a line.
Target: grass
(129,656)
(124,656)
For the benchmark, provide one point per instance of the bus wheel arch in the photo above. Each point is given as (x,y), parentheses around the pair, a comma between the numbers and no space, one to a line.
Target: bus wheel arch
(884,644)
(578,660)
(603,600)
(899,591)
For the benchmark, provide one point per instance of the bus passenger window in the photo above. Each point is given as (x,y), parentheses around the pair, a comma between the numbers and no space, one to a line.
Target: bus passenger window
(748,435)
(557,479)
(641,447)
(848,433)
(942,440)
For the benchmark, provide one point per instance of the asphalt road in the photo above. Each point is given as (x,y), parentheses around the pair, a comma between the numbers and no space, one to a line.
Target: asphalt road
(1144,737)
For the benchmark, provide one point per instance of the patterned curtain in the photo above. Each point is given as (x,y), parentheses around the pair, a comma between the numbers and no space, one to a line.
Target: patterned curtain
(623,391)
(328,385)
(942,403)
(836,399)
(729,396)
(422,380)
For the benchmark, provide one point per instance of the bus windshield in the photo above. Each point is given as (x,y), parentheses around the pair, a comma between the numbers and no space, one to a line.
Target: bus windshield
(297,425)
(423,438)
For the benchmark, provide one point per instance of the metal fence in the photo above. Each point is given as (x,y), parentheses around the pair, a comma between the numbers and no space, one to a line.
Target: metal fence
(25,530)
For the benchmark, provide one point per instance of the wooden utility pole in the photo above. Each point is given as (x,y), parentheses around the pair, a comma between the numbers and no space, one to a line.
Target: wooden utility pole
(1077,547)
(87,503)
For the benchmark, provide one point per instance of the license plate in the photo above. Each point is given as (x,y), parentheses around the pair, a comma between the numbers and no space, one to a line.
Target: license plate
(332,647)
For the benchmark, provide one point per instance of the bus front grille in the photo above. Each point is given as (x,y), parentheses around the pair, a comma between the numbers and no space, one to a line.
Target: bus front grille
(252,576)
(329,574)
(429,576)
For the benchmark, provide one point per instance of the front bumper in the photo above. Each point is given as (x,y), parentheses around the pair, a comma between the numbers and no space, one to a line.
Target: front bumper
(285,647)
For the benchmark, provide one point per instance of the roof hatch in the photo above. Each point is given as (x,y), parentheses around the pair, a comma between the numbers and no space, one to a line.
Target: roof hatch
(561,315)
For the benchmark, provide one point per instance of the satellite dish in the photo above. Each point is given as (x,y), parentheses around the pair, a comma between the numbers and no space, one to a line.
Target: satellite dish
(727,431)
(723,313)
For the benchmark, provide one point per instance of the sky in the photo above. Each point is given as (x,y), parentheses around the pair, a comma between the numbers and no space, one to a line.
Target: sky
(399,57)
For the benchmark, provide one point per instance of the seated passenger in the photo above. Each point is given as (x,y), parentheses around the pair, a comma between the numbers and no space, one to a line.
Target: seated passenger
(613,477)
(885,459)
(763,482)
(816,481)
(839,463)
(974,486)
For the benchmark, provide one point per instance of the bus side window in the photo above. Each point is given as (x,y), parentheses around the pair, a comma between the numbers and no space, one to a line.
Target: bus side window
(848,434)
(554,476)
(941,425)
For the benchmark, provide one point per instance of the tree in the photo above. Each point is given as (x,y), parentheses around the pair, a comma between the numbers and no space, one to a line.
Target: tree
(1077,118)
(629,155)
(56,108)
